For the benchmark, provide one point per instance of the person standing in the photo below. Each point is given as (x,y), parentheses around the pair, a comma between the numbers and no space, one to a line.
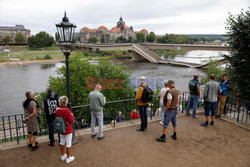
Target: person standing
(30,106)
(97,101)
(222,97)
(171,101)
(194,89)
(65,138)
(162,94)
(142,103)
(49,106)
(211,91)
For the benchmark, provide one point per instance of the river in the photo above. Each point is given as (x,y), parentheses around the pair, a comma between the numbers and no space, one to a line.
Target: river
(15,80)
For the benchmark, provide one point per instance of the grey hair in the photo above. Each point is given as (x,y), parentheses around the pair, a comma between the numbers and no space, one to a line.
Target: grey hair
(29,93)
(63,101)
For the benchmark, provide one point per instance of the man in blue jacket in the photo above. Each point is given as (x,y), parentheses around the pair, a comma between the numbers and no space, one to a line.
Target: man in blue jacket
(222,97)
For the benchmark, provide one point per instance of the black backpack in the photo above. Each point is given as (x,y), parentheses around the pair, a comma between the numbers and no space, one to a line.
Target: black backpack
(147,95)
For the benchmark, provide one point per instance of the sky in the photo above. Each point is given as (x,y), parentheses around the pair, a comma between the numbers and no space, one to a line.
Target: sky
(159,16)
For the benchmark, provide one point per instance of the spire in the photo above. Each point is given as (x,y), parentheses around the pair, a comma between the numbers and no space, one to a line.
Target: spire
(65,18)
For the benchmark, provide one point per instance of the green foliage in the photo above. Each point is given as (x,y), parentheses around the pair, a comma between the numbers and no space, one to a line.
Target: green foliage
(80,85)
(57,36)
(40,40)
(151,37)
(92,40)
(238,31)
(174,39)
(6,39)
(213,68)
(19,38)
(140,37)
(47,57)
(120,40)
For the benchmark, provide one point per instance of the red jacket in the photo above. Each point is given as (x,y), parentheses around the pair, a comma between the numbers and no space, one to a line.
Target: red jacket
(68,118)
(134,115)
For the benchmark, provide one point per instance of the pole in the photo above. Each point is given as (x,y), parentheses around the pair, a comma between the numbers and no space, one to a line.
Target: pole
(74,140)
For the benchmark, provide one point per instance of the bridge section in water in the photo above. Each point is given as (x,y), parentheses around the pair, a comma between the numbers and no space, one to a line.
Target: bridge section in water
(142,52)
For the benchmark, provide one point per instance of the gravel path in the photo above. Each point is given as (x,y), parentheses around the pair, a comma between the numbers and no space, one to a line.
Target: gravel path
(224,144)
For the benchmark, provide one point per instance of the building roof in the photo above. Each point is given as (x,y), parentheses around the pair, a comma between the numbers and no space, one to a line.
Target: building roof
(144,30)
(85,29)
(102,28)
(16,27)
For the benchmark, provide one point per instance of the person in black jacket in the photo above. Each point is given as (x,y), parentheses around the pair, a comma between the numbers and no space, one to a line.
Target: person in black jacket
(49,105)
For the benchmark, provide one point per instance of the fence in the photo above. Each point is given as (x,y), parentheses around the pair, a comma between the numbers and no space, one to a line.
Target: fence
(12,127)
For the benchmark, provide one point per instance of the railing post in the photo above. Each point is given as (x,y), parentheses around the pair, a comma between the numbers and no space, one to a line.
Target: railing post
(238,110)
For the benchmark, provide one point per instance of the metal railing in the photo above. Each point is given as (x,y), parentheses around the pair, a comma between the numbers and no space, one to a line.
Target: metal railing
(12,127)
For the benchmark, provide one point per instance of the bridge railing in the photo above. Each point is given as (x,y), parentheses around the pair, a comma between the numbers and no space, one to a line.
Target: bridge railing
(12,127)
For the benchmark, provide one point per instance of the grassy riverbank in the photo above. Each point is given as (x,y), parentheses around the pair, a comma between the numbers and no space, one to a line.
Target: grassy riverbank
(25,53)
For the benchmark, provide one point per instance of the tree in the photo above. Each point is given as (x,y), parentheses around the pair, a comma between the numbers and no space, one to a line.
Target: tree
(151,37)
(40,40)
(6,39)
(140,37)
(84,75)
(57,36)
(19,38)
(238,30)
(120,40)
(92,40)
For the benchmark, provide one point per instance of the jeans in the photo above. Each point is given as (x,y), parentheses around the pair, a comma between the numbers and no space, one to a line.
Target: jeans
(162,113)
(97,116)
(143,115)
(195,100)
(170,115)
(209,106)
(51,132)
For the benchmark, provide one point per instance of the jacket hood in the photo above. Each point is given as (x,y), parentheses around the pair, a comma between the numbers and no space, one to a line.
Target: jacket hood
(61,111)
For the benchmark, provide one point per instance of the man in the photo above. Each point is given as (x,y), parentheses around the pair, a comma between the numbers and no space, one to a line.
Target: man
(211,91)
(171,101)
(142,105)
(49,105)
(162,94)
(222,97)
(120,117)
(194,89)
(96,102)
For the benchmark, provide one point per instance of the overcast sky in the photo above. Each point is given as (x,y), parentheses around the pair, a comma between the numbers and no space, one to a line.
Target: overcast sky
(160,16)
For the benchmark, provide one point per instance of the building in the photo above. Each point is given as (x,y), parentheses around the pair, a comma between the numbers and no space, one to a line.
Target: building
(12,31)
(104,35)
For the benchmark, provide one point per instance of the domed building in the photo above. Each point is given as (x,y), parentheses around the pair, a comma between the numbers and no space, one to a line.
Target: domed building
(108,36)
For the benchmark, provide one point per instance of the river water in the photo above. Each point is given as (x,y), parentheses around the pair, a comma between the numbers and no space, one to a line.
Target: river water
(15,80)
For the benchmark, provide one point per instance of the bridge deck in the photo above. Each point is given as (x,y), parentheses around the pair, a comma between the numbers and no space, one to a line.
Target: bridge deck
(222,145)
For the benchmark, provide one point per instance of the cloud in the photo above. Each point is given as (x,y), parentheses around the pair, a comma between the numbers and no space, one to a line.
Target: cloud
(160,16)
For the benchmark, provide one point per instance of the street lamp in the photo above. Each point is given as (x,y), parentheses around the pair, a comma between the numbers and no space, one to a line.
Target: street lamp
(65,31)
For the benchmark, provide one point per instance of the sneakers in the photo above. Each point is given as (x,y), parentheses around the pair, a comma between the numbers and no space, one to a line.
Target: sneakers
(63,157)
(195,116)
(161,123)
(161,139)
(101,138)
(70,159)
(205,124)
(212,123)
(217,117)
(174,136)
(92,136)
(140,129)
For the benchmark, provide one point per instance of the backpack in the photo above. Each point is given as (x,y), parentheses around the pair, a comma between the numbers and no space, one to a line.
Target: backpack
(147,95)
(59,125)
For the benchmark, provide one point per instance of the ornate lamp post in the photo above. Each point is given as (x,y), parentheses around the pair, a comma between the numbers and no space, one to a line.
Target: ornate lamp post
(65,31)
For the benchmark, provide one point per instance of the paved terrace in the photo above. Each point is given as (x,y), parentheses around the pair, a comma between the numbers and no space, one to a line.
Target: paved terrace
(225,144)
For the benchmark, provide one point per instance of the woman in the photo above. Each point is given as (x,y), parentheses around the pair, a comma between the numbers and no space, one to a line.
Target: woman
(30,108)
(65,138)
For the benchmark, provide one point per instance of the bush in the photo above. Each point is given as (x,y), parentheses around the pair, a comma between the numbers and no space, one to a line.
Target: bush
(40,40)
(47,57)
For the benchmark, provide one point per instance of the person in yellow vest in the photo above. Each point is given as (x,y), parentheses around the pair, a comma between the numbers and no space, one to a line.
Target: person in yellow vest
(171,102)
(142,105)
